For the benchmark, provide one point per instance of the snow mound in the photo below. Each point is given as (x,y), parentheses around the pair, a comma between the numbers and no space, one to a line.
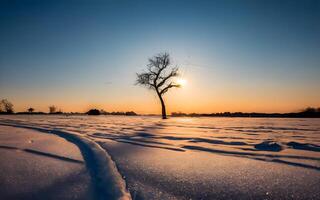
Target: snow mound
(268,146)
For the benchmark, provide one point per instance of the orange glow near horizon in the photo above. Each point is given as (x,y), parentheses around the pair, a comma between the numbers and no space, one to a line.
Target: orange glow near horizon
(201,92)
(190,98)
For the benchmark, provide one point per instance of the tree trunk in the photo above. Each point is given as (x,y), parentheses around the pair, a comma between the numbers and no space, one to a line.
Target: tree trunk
(163,106)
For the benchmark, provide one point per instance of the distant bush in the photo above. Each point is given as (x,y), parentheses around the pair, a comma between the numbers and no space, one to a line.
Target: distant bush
(52,109)
(30,110)
(311,110)
(93,112)
(178,114)
(130,113)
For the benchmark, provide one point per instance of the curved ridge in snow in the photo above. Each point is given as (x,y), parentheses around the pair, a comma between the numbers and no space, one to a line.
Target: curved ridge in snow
(107,180)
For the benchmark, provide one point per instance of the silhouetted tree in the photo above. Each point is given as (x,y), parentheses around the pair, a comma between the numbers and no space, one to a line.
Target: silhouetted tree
(6,106)
(157,78)
(52,109)
(30,110)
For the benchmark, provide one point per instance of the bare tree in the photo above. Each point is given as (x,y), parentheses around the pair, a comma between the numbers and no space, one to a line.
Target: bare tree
(6,106)
(30,110)
(159,77)
(52,109)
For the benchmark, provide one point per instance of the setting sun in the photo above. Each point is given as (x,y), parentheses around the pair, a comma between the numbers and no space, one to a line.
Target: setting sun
(182,82)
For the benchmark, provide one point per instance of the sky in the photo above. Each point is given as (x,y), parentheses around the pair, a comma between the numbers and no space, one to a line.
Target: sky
(235,55)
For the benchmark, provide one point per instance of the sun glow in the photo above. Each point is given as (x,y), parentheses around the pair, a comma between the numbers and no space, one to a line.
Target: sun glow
(181,82)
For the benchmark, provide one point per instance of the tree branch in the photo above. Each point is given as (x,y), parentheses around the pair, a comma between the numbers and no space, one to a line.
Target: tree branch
(171,85)
(173,73)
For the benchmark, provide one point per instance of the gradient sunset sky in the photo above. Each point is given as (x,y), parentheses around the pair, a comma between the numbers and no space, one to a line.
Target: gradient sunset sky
(236,55)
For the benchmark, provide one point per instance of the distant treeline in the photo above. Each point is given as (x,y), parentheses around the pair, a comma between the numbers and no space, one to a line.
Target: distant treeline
(306,113)
(102,112)
(6,107)
(90,112)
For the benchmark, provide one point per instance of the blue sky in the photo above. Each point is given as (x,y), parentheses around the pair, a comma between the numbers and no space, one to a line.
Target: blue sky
(236,55)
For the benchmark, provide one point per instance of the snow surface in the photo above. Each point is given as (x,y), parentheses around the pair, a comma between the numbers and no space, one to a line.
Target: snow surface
(202,158)
(41,166)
